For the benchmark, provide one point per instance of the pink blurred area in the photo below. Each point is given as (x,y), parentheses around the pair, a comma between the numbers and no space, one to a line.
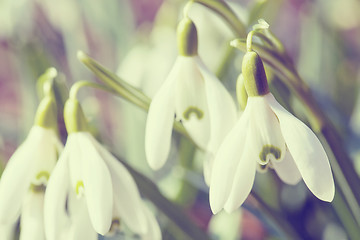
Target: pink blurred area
(145,10)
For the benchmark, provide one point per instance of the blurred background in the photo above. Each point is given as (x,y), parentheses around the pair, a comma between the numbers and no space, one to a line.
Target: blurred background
(136,39)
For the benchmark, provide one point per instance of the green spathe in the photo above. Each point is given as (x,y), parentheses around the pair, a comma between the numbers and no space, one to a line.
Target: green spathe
(254,75)
(46,115)
(74,117)
(187,39)
(241,93)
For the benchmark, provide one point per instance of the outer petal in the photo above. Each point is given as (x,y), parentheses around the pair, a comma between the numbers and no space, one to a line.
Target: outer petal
(46,157)
(32,217)
(307,151)
(287,170)
(226,162)
(55,217)
(244,176)
(267,141)
(222,112)
(127,199)
(97,184)
(221,107)
(208,166)
(15,180)
(160,122)
(153,230)
(191,102)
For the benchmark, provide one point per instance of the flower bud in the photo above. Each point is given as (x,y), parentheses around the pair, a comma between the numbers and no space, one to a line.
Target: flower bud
(187,39)
(254,75)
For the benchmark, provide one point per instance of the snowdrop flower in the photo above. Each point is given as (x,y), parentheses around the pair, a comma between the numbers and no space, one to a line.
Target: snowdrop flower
(89,191)
(195,96)
(266,135)
(25,177)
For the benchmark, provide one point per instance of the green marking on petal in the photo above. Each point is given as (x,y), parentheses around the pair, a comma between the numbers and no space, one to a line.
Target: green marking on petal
(40,181)
(43,174)
(193,110)
(266,153)
(79,187)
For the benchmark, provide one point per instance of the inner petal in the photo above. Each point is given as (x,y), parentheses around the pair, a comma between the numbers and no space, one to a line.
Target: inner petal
(270,152)
(267,140)
(191,105)
(75,167)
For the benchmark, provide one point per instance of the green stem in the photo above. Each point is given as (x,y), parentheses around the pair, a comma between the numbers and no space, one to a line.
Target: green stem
(174,212)
(345,216)
(187,192)
(76,87)
(225,12)
(124,89)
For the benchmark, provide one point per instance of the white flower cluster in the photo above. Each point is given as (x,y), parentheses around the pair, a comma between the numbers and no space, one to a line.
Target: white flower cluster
(85,193)
(266,135)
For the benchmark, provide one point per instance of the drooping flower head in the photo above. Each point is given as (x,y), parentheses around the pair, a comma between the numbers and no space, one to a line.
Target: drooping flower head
(90,192)
(266,135)
(25,177)
(195,96)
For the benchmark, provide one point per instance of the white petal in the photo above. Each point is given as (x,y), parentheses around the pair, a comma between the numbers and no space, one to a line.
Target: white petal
(160,122)
(267,142)
(46,158)
(97,184)
(75,163)
(191,102)
(226,162)
(153,229)
(15,180)
(127,198)
(287,170)
(81,227)
(207,167)
(7,232)
(307,151)
(221,107)
(244,177)
(55,217)
(32,217)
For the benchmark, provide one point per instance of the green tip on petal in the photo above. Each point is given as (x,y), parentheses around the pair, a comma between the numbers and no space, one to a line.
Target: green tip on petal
(241,93)
(74,117)
(46,115)
(254,75)
(187,38)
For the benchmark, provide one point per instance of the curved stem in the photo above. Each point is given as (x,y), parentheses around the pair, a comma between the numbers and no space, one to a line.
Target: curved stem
(78,85)
(46,81)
